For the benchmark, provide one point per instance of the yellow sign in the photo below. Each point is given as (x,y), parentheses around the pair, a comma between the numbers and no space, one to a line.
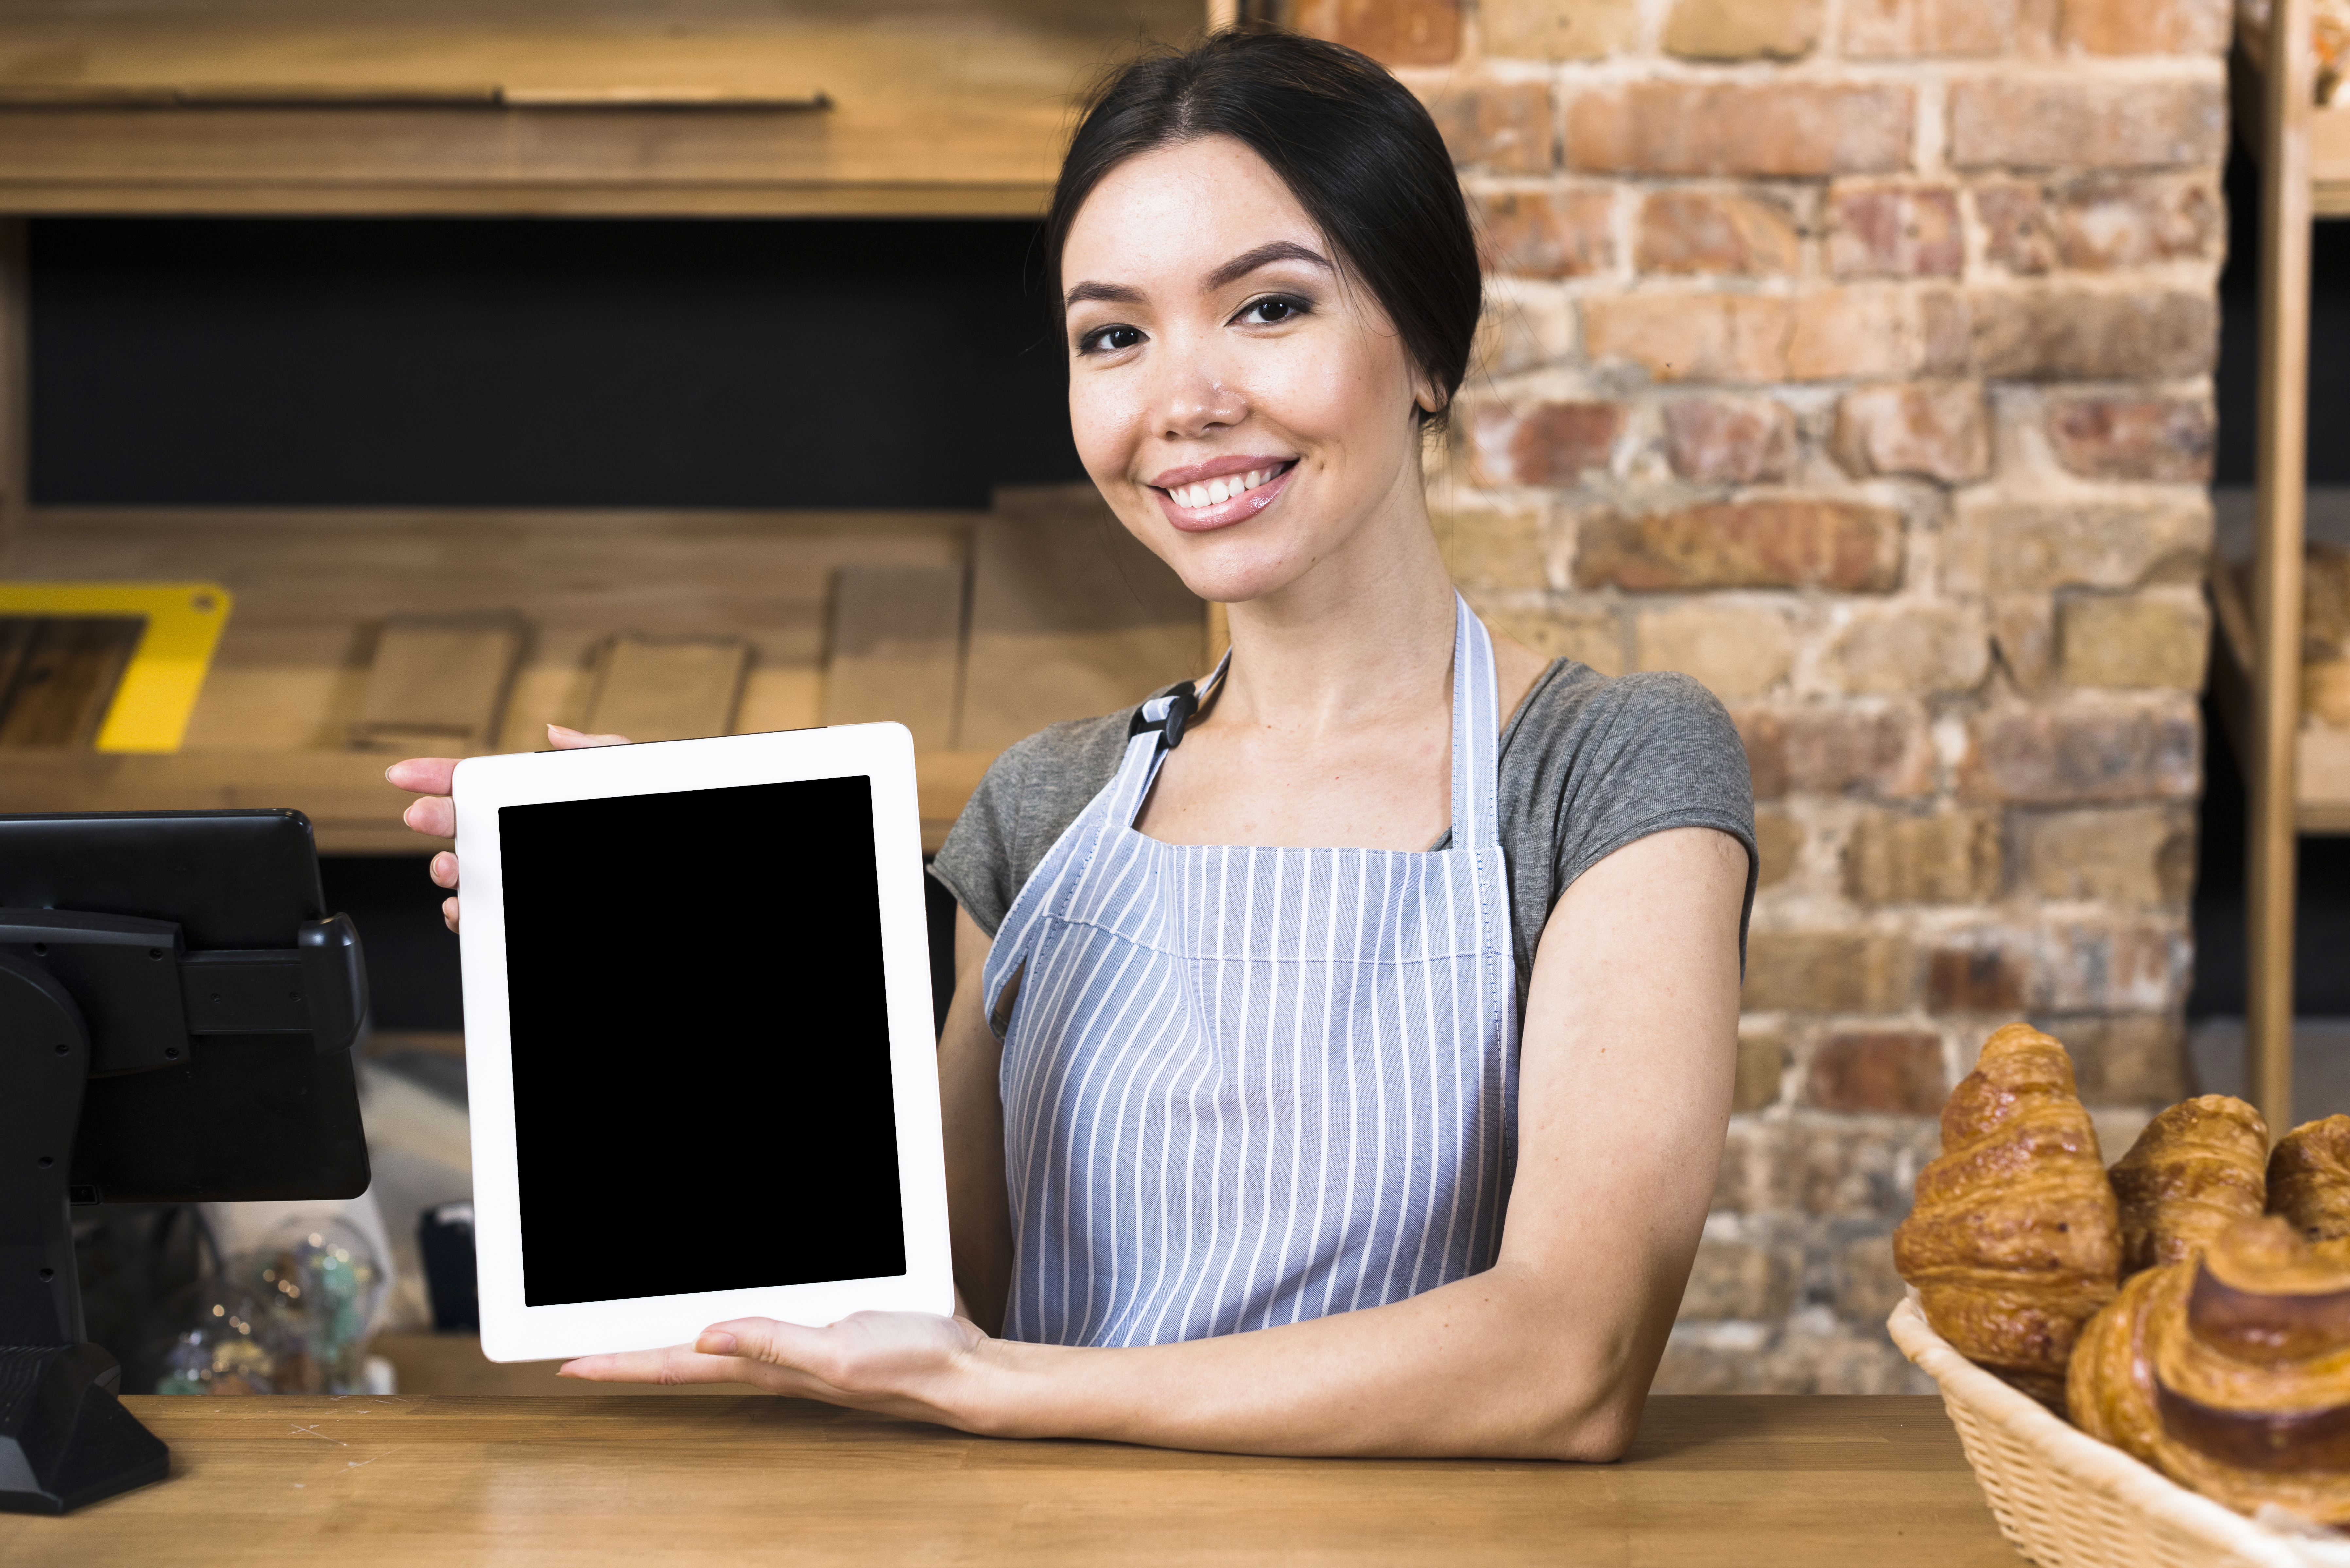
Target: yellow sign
(151,707)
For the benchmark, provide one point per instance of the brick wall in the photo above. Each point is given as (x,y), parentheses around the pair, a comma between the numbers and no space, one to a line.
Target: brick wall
(1853,357)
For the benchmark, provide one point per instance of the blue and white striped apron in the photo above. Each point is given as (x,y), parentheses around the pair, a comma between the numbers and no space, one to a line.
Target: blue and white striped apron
(1246,1085)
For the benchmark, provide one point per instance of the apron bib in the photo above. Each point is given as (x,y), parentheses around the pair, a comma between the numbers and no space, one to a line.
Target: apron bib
(1246,1085)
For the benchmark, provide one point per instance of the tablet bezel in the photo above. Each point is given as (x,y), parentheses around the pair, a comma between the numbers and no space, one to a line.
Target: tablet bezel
(883,753)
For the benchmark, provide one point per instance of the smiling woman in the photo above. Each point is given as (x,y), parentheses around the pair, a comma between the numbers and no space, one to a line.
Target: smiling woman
(1342,1041)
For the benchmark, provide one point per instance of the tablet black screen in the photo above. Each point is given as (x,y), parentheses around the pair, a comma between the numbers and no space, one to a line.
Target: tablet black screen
(701,1043)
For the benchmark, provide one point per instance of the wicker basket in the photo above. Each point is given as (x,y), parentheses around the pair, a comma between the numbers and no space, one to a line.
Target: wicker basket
(2068,1501)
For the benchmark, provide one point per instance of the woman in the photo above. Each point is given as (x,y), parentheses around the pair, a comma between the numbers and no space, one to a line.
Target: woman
(1341,1048)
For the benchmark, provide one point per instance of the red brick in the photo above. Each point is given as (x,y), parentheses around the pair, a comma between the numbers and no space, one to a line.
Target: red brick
(1506,127)
(1885,30)
(2075,333)
(1742,29)
(1738,127)
(1393,32)
(1829,972)
(1894,230)
(1941,858)
(1547,30)
(2017,233)
(2136,967)
(2134,438)
(1723,441)
(1542,444)
(1692,336)
(1898,1072)
(2145,26)
(2024,633)
(1781,542)
(1858,330)
(1546,234)
(1948,329)
(1938,429)
(2112,222)
(1708,231)
(2005,547)
(1829,750)
(1979,979)
(1778,843)
(2077,752)
(2075,122)
(2137,1058)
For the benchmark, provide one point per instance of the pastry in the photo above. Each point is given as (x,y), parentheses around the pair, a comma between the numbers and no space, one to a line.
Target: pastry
(2015,1239)
(2309,1178)
(2109,1387)
(2194,1171)
(2231,1373)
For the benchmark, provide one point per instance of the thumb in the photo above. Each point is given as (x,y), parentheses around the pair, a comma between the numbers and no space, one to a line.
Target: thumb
(564,739)
(754,1339)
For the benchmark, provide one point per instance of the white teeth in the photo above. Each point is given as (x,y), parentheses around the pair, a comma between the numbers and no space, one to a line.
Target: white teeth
(1215,492)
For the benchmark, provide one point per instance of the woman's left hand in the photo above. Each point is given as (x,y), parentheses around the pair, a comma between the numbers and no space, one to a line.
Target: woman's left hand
(912,1364)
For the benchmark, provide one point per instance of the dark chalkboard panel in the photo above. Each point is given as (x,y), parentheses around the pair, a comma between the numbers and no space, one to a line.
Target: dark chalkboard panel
(778,363)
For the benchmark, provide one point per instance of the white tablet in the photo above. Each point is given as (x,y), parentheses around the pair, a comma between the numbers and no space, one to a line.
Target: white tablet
(698,1038)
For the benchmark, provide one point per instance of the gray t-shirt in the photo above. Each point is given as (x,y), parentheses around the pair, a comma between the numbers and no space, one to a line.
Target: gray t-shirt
(1588,764)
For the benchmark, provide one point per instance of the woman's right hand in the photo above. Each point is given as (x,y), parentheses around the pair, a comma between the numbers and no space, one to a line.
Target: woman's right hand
(436,814)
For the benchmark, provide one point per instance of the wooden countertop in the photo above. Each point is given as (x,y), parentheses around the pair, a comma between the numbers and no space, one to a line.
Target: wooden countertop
(632,1480)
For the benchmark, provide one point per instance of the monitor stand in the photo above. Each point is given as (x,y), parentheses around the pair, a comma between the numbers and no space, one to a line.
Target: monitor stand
(65,1439)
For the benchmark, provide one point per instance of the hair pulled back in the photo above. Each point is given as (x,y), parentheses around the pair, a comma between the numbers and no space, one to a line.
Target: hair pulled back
(1354,147)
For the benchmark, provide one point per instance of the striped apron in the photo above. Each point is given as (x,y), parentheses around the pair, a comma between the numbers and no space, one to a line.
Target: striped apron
(1245,1086)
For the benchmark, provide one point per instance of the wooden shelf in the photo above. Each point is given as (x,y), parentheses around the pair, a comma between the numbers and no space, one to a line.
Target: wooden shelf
(728,107)
(2322,757)
(1066,615)
(2329,126)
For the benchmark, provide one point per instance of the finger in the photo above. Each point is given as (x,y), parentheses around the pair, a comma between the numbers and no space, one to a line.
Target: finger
(763,1339)
(448,913)
(566,740)
(423,775)
(678,1364)
(435,814)
(443,870)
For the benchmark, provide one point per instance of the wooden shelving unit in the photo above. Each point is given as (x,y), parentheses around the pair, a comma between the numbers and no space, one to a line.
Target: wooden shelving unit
(2297,778)
(971,627)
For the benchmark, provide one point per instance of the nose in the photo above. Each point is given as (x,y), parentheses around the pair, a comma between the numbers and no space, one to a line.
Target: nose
(1194,401)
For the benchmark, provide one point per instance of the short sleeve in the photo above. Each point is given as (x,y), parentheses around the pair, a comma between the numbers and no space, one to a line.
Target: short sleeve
(1590,764)
(1024,802)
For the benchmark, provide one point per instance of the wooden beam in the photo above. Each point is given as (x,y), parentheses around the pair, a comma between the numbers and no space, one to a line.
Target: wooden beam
(2270,765)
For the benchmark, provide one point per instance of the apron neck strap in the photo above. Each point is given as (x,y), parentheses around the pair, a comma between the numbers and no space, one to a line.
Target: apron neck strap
(1476,732)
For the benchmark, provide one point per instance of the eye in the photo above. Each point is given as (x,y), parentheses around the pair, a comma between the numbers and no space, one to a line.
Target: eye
(1273,310)
(1110,340)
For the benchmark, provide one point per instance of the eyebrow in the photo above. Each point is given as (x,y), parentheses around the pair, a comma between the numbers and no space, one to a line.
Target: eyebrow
(1239,267)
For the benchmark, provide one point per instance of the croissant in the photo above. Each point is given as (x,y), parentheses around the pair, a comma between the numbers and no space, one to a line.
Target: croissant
(2015,1239)
(2309,1178)
(2231,1373)
(2109,1387)
(2194,1171)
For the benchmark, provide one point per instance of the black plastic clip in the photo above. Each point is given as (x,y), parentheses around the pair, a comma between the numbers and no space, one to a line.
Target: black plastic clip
(1180,705)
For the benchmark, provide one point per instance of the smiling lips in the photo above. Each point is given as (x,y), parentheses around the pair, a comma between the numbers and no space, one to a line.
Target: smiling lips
(1217,501)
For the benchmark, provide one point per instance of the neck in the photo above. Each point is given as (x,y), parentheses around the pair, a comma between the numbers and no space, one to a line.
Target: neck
(1362,630)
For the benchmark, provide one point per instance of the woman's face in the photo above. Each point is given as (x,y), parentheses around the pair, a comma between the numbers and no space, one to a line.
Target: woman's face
(1246,409)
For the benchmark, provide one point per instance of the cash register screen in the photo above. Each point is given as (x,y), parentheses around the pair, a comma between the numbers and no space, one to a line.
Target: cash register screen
(701,1044)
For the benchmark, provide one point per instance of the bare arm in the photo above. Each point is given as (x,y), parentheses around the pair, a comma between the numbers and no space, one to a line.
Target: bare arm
(1624,1095)
(971,1100)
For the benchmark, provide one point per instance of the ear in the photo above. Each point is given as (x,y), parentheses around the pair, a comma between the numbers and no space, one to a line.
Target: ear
(1424,394)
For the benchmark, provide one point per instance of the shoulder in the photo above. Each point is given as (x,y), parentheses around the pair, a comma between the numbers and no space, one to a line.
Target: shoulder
(1574,715)
(1591,761)
(1024,802)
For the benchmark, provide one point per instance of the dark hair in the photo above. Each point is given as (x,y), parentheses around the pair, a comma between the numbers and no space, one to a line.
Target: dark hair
(1355,148)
